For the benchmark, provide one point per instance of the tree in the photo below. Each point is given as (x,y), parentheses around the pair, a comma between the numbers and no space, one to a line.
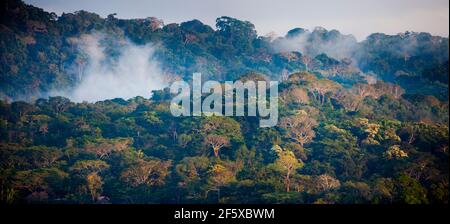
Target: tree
(383,190)
(410,190)
(184,140)
(102,148)
(192,169)
(307,61)
(299,127)
(89,170)
(302,78)
(303,183)
(389,89)
(154,23)
(326,182)
(348,100)
(356,192)
(94,184)
(295,95)
(239,34)
(59,104)
(217,142)
(287,164)
(394,152)
(21,109)
(39,182)
(221,126)
(146,172)
(321,87)
(85,167)
(41,156)
(219,176)
(410,130)
(370,131)
(218,132)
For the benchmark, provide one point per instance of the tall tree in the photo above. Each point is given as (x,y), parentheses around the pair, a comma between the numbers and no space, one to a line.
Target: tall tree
(287,164)
(299,127)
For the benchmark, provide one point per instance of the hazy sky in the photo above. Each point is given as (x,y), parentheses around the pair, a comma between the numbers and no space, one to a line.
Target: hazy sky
(357,17)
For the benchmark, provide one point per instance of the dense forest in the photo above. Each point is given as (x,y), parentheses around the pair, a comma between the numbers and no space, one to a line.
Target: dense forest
(38,52)
(367,123)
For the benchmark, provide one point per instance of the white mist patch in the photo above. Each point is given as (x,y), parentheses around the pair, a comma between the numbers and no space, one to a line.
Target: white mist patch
(133,73)
(313,43)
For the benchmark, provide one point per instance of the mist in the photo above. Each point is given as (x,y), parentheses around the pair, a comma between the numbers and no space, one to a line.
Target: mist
(317,42)
(134,72)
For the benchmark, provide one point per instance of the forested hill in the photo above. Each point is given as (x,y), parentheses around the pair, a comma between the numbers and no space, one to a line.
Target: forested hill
(39,51)
(359,122)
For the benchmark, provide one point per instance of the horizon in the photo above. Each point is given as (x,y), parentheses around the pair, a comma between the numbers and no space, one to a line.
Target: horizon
(349,17)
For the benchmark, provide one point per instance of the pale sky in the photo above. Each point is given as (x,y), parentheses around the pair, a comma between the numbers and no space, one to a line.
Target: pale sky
(357,17)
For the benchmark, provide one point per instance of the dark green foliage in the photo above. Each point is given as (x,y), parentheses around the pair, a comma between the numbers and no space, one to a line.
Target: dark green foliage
(37,52)
(134,151)
(367,143)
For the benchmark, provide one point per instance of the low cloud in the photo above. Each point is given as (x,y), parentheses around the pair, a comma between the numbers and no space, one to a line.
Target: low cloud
(319,41)
(134,72)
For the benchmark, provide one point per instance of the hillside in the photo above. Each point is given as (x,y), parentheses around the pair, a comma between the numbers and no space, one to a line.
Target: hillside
(85,118)
(40,53)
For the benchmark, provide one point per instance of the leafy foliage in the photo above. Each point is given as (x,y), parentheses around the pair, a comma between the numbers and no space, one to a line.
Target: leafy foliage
(340,138)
